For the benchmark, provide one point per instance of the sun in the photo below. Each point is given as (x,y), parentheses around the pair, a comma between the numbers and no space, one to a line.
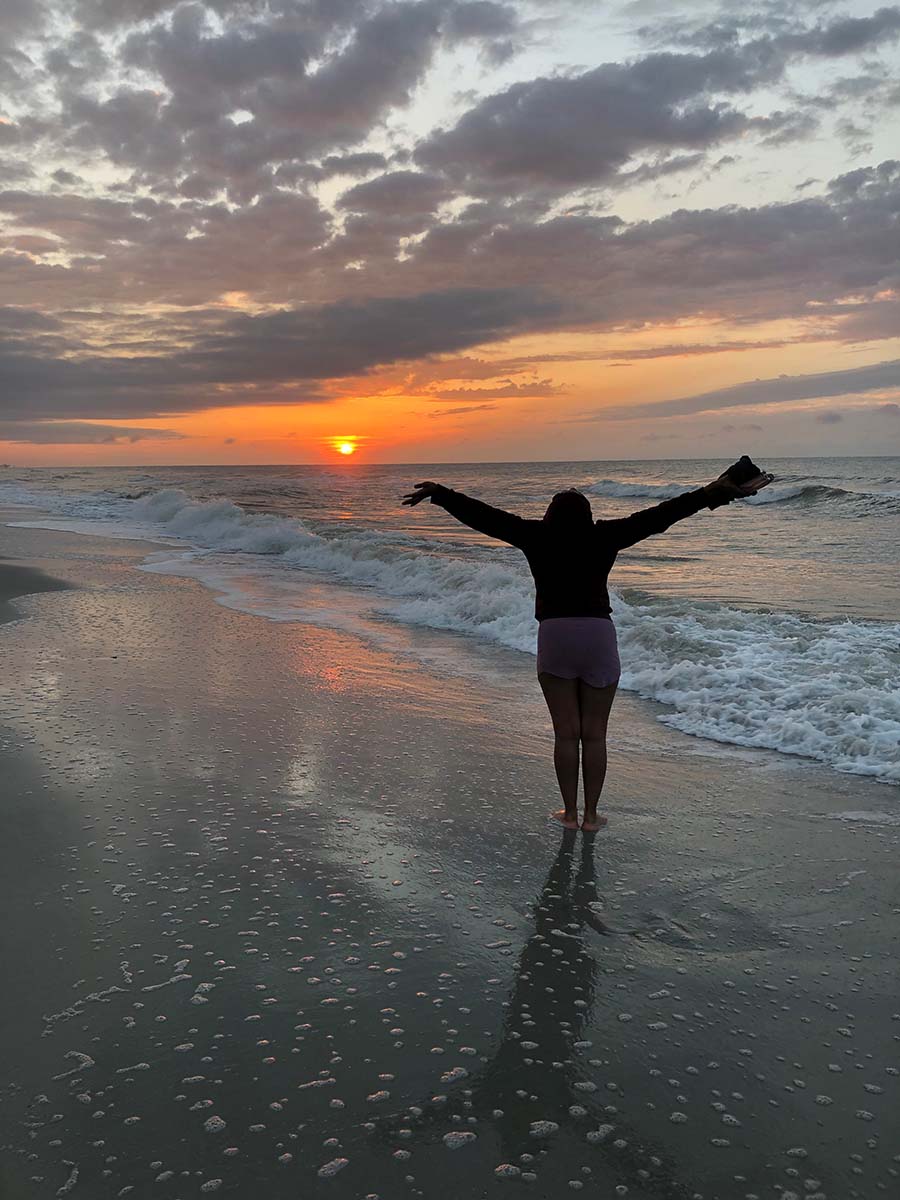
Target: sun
(344,444)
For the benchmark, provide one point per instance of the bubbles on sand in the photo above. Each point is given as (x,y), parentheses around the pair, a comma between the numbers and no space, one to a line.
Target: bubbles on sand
(457,1138)
(507,1171)
(331,1168)
(543,1129)
(69,1184)
(600,1134)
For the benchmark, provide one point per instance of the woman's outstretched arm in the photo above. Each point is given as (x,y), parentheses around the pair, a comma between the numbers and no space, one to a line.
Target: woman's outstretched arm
(494,522)
(625,531)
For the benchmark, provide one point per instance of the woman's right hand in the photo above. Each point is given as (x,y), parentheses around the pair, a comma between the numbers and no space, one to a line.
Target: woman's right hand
(422,492)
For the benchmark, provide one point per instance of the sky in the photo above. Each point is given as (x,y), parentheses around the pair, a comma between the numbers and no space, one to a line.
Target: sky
(251,231)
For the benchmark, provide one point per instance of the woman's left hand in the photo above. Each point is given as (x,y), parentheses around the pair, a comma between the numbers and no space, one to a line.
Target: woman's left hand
(724,488)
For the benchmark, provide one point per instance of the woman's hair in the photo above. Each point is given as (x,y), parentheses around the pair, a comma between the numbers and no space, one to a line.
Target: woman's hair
(569,510)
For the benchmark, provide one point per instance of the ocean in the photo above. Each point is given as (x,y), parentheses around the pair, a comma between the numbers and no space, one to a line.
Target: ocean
(770,623)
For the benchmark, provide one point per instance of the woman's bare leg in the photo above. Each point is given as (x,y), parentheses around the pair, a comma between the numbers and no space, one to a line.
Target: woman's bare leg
(562,700)
(594,705)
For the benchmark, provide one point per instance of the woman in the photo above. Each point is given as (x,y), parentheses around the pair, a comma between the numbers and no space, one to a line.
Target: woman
(570,556)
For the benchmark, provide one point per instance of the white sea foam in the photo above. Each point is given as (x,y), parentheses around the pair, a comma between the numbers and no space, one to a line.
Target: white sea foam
(616,488)
(824,690)
(854,500)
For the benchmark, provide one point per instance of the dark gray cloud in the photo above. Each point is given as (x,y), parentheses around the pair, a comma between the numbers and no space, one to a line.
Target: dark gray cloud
(481,18)
(16,321)
(360,163)
(830,417)
(568,131)
(397,192)
(309,86)
(19,17)
(111,15)
(796,259)
(784,28)
(346,338)
(80,433)
(782,128)
(847,35)
(785,389)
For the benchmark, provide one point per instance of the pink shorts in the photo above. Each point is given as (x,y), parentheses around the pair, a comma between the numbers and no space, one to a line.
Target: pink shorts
(579,648)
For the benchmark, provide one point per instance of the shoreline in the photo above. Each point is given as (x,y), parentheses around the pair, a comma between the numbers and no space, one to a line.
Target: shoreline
(272,865)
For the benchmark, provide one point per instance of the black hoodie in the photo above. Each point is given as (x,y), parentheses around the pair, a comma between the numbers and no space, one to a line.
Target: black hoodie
(571,568)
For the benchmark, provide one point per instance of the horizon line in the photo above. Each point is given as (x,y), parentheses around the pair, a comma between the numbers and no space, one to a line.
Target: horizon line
(484,462)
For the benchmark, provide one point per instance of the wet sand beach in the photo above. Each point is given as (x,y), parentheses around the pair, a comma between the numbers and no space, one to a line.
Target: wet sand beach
(284,915)
(19,580)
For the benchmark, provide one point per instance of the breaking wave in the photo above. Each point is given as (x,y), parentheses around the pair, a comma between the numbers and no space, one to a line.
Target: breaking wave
(820,689)
(857,500)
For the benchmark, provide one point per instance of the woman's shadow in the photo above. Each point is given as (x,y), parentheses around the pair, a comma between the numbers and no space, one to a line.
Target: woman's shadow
(539,1072)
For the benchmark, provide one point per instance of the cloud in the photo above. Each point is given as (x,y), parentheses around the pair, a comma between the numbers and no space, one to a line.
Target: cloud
(15,320)
(300,345)
(466,408)
(847,35)
(308,82)
(782,31)
(20,16)
(829,417)
(784,389)
(481,18)
(82,433)
(186,162)
(507,390)
(360,163)
(398,192)
(776,260)
(568,131)
(782,128)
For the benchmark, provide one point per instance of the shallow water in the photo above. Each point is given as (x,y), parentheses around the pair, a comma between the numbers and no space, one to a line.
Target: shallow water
(769,623)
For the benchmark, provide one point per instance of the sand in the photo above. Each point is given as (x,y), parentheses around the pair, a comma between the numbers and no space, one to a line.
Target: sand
(284,913)
(17,580)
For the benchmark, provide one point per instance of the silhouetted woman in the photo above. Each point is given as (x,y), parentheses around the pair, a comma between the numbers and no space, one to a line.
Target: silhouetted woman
(570,556)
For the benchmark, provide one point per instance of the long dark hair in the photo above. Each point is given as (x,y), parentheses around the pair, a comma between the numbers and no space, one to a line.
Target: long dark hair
(569,512)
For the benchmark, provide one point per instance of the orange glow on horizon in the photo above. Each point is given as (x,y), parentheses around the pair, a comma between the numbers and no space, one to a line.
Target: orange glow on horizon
(465,408)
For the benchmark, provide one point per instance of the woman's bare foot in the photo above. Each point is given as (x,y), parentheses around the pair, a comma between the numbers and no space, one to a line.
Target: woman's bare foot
(592,823)
(567,820)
